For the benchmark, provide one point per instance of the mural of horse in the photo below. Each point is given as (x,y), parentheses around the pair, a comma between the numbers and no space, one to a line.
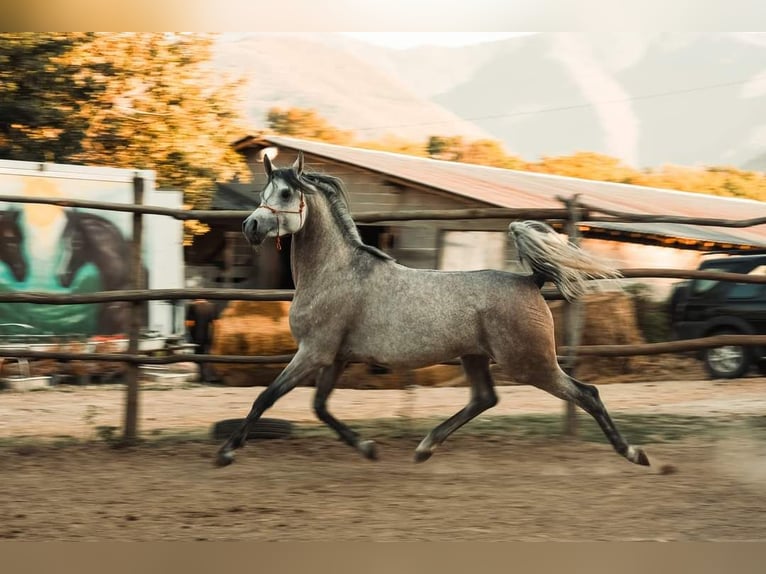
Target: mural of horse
(89,238)
(11,243)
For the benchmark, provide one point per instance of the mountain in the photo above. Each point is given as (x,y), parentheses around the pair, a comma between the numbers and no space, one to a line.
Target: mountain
(648,99)
(346,81)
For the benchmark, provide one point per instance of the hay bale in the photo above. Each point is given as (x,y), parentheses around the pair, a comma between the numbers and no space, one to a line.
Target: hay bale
(609,318)
(252,328)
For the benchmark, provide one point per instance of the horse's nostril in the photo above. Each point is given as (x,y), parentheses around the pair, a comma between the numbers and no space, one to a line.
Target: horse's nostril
(249,227)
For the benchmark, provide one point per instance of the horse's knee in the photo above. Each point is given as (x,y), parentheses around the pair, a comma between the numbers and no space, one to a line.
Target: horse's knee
(587,396)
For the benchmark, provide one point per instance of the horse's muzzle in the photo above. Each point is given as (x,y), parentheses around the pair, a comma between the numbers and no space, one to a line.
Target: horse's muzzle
(251,231)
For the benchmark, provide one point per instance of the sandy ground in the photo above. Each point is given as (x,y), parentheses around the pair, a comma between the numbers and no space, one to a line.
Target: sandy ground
(76,411)
(475,487)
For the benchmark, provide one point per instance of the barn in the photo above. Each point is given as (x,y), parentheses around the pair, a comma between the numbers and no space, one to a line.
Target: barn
(384,181)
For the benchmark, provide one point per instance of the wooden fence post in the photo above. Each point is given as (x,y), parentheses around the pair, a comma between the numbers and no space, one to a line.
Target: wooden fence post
(136,273)
(572,322)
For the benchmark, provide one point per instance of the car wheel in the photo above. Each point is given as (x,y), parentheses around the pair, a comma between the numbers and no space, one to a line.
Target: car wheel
(264,428)
(729,362)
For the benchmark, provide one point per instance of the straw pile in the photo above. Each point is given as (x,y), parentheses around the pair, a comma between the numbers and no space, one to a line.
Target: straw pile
(252,328)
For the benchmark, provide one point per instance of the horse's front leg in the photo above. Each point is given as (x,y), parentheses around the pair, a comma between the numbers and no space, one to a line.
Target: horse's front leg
(298,370)
(324,385)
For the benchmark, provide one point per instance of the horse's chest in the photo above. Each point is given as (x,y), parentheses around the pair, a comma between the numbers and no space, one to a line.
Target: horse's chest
(315,317)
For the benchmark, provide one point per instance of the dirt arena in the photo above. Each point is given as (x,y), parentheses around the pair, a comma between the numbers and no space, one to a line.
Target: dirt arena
(60,481)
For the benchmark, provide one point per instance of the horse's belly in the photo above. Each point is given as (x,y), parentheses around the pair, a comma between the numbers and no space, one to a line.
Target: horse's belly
(409,347)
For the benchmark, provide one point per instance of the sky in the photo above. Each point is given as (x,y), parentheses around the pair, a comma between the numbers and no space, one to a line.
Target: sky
(402,40)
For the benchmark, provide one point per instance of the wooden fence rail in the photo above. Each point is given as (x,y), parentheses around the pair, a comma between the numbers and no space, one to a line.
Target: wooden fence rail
(585,213)
(574,212)
(287,294)
(682,346)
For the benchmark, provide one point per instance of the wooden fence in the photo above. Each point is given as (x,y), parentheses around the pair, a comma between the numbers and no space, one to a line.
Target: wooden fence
(572,212)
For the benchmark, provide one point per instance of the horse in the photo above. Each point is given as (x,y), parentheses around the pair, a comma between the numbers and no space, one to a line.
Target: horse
(354,303)
(89,238)
(11,243)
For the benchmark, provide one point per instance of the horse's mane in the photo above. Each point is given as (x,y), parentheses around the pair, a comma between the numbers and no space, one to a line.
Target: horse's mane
(333,189)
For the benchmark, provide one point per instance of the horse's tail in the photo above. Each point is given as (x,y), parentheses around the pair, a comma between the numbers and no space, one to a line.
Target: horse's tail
(551,257)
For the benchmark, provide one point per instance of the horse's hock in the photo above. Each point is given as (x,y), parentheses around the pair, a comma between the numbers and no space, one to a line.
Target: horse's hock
(262,328)
(608,318)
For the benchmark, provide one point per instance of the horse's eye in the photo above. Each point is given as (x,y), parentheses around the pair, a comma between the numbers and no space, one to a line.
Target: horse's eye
(285,194)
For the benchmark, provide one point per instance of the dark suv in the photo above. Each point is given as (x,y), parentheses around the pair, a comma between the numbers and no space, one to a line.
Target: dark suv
(702,308)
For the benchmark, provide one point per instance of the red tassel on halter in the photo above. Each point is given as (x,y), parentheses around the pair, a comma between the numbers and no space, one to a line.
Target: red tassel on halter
(279,243)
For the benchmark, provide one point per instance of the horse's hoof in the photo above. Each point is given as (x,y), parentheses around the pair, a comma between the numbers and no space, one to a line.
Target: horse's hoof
(642,459)
(368,450)
(224,458)
(422,455)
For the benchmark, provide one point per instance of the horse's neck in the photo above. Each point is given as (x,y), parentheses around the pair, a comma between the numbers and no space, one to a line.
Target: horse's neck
(320,245)
(108,253)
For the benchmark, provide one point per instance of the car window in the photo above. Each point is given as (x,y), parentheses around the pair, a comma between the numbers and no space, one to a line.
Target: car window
(700,286)
(749,290)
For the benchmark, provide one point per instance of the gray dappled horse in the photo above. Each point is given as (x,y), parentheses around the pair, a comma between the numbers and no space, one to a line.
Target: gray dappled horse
(353,303)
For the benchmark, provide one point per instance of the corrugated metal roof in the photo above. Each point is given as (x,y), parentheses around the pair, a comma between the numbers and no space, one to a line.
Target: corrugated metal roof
(520,189)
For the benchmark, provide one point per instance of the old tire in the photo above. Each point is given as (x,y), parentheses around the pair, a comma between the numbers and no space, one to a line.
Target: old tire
(262,428)
(729,362)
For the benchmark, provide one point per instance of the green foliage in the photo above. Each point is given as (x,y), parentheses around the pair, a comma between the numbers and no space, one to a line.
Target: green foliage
(652,316)
(41,94)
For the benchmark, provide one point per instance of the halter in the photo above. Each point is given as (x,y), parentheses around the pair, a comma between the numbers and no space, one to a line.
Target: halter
(276,212)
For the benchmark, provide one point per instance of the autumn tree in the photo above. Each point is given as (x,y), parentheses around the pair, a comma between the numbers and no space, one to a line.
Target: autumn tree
(40,99)
(307,124)
(491,153)
(587,165)
(131,100)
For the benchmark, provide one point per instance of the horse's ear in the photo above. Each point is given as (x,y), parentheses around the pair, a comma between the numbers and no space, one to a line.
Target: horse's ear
(267,165)
(298,165)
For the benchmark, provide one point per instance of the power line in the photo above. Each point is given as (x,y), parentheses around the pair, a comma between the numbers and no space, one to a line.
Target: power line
(566,108)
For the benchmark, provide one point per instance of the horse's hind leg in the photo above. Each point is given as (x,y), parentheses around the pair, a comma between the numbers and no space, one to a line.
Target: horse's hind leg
(483,397)
(587,398)
(324,385)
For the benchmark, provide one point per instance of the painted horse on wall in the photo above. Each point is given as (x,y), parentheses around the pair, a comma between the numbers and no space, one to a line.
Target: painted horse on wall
(11,243)
(89,238)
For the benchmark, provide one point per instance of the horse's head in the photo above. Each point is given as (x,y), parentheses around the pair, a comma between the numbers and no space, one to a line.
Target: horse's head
(11,243)
(283,207)
(72,250)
